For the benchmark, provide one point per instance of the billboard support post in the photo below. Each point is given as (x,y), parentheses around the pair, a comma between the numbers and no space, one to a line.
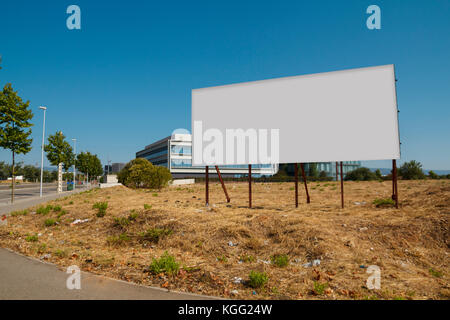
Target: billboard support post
(304,181)
(342,188)
(296,183)
(207,185)
(394,183)
(249,185)
(223,184)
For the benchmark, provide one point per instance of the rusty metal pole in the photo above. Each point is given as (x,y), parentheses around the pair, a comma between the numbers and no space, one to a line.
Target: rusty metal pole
(296,183)
(207,185)
(249,185)
(342,188)
(308,200)
(223,184)
(394,183)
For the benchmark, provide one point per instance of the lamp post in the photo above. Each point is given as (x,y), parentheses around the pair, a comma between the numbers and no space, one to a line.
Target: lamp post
(75,151)
(42,150)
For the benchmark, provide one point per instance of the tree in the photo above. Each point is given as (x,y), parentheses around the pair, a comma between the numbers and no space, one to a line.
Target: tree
(378,174)
(89,164)
(15,126)
(95,168)
(360,174)
(433,175)
(312,170)
(141,173)
(411,170)
(59,153)
(161,176)
(31,173)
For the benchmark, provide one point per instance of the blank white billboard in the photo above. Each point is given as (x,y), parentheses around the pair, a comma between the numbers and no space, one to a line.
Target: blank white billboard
(334,116)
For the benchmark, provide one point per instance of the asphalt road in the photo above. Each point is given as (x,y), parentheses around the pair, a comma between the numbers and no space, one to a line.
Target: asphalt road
(24,191)
(27,278)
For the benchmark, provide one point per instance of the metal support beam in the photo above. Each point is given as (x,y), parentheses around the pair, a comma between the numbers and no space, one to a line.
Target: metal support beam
(342,188)
(296,184)
(207,185)
(249,185)
(223,184)
(308,200)
(394,183)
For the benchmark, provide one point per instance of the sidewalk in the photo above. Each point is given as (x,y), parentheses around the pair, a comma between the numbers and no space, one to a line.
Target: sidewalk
(26,278)
(32,201)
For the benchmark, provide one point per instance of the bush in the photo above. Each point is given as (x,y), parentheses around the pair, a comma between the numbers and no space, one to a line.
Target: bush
(49,222)
(32,238)
(155,234)
(44,210)
(147,206)
(433,175)
(257,279)
(19,213)
(140,173)
(165,264)
(361,174)
(280,260)
(101,208)
(319,288)
(388,202)
(411,171)
(118,240)
(57,208)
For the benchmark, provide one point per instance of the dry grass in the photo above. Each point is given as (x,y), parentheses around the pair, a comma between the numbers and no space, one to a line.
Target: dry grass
(410,245)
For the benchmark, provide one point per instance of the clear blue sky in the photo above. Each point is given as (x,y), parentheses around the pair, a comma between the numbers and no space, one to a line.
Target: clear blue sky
(125,79)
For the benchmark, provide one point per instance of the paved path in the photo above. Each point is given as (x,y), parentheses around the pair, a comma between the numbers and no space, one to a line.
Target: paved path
(6,207)
(27,278)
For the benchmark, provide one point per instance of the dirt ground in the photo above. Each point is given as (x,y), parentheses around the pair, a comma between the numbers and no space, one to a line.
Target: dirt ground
(216,246)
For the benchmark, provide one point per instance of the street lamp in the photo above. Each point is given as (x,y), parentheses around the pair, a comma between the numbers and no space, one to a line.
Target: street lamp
(75,151)
(42,150)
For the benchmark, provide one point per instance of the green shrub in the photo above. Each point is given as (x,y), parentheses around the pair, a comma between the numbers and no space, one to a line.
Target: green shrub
(435,273)
(118,240)
(280,260)
(257,279)
(165,264)
(222,259)
(141,173)
(44,210)
(60,253)
(155,234)
(49,222)
(32,238)
(61,213)
(121,221)
(388,202)
(361,174)
(247,258)
(319,288)
(42,248)
(57,208)
(411,170)
(133,215)
(155,194)
(101,208)
(147,206)
(20,213)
